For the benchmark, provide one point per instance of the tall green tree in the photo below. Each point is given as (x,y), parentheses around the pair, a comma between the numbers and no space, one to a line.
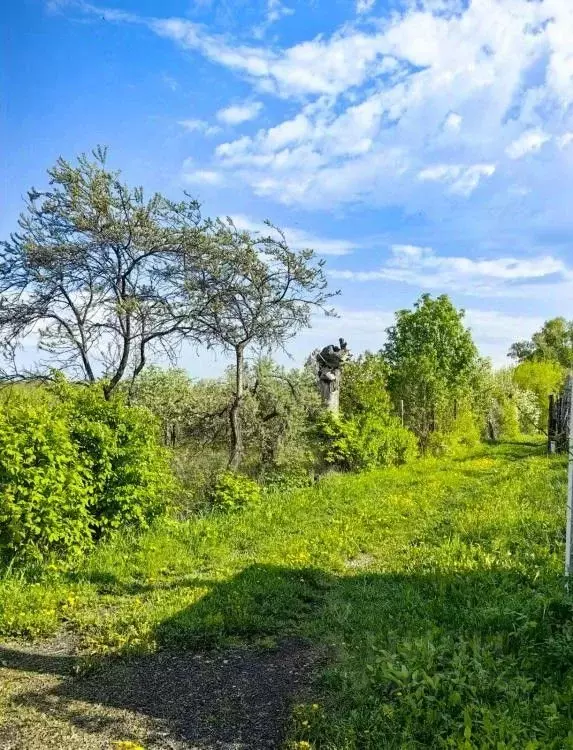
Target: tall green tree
(543,378)
(554,342)
(90,274)
(432,362)
(251,293)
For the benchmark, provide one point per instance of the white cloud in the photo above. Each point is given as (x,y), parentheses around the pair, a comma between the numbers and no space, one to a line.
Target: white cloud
(239,113)
(365,6)
(277,10)
(502,276)
(453,122)
(462,180)
(299,238)
(199,126)
(564,140)
(203,177)
(440,83)
(528,142)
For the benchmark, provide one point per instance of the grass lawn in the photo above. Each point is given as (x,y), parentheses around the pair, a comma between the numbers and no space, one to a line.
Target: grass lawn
(432,595)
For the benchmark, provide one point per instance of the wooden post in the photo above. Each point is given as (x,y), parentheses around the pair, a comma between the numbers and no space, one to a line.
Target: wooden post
(402,411)
(551,426)
(569,533)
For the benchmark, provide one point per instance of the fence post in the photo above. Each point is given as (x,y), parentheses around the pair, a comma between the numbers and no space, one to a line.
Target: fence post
(569,425)
(551,426)
(402,411)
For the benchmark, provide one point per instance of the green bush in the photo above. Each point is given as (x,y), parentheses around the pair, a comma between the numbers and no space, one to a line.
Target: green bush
(281,478)
(130,478)
(74,466)
(44,486)
(233,491)
(465,433)
(363,442)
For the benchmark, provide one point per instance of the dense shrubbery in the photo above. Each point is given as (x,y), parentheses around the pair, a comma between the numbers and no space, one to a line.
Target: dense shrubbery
(233,491)
(44,486)
(277,408)
(74,466)
(129,472)
(355,444)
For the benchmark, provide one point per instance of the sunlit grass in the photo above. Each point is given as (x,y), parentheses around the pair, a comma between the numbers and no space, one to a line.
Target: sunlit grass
(435,589)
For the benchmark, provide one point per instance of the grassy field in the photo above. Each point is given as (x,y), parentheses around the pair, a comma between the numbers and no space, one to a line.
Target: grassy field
(430,596)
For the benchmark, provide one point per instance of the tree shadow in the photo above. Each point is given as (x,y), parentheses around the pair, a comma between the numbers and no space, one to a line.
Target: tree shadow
(239,696)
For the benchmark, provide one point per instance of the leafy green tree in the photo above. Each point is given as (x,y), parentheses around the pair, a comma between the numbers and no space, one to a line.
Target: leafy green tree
(251,292)
(432,362)
(511,409)
(554,342)
(91,273)
(543,378)
(364,387)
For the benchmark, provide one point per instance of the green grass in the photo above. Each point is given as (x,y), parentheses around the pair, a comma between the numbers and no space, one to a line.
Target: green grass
(436,590)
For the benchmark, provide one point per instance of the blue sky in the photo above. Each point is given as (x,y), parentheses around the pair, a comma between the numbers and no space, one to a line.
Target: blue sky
(419,146)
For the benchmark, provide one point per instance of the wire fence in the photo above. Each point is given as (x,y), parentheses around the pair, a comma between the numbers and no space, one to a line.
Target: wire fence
(560,440)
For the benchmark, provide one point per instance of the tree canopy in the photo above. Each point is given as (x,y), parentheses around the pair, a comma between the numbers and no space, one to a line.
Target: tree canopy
(251,291)
(90,273)
(432,359)
(554,342)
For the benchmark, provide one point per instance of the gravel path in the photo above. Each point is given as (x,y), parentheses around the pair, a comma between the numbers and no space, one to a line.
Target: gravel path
(237,699)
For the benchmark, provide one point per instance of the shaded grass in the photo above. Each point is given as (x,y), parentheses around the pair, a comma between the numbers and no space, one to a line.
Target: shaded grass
(436,588)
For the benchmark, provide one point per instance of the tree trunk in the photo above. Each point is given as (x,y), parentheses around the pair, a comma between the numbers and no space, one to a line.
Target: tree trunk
(236,454)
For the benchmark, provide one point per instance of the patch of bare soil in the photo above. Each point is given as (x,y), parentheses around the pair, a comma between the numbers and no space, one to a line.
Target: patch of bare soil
(238,699)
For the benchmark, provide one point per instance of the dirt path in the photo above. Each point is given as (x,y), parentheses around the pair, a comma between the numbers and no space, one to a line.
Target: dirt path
(238,699)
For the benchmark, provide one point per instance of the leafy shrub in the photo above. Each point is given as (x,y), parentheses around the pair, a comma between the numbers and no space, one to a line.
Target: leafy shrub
(130,478)
(511,409)
(196,468)
(465,433)
(363,442)
(233,491)
(285,478)
(44,487)
(73,466)
(541,378)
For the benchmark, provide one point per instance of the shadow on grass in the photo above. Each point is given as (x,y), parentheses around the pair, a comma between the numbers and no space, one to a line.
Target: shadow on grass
(108,583)
(230,666)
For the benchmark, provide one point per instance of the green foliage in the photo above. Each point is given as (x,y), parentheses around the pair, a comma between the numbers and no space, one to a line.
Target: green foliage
(364,386)
(465,433)
(130,478)
(233,491)
(511,410)
(44,487)
(74,466)
(553,343)
(363,443)
(276,409)
(543,378)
